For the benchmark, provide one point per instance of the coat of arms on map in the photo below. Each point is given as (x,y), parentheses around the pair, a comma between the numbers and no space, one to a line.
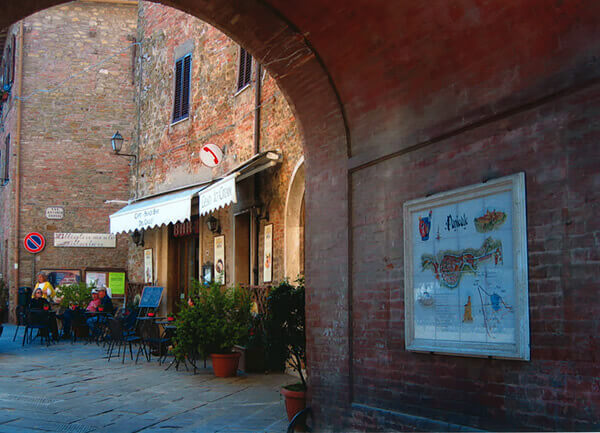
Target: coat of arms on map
(425,226)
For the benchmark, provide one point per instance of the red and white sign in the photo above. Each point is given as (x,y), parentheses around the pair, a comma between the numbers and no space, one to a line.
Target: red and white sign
(34,242)
(211,155)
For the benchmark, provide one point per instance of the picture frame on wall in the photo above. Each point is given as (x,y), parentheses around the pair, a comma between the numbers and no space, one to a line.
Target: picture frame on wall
(268,254)
(148,266)
(465,271)
(219,259)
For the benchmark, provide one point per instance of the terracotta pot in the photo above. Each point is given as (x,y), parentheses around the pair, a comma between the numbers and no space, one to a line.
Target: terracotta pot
(295,401)
(225,365)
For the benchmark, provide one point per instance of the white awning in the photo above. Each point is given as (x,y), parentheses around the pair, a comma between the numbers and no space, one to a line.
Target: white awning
(218,195)
(153,212)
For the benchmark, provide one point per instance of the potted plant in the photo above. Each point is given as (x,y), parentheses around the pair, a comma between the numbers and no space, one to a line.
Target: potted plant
(74,294)
(286,337)
(215,321)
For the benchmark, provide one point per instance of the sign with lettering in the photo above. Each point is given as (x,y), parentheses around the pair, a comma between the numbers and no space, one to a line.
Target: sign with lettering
(55,213)
(85,240)
(218,195)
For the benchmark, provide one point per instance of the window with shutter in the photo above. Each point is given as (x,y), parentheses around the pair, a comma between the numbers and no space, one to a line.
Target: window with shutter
(181,99)
(245,69)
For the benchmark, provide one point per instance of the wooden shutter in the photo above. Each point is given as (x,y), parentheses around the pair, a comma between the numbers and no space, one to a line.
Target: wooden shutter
(6,159)
(181,101)
(13,60)
(245,69)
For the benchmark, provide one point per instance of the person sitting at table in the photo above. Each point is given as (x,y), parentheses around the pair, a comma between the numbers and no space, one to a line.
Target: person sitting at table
(46,288)
(104,306)
(95,302)
(40,303)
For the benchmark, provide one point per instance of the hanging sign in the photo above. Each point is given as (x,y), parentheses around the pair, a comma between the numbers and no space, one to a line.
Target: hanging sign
(34,242)
(218,195)
(211,155)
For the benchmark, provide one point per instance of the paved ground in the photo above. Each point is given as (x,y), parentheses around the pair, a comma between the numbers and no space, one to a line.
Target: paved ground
(72,388)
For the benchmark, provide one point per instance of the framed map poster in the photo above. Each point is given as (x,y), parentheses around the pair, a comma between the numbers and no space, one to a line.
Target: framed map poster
(268,254)
(465,279)
(219,244)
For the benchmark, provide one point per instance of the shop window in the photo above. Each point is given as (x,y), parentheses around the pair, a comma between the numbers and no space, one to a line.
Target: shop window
(181,105)
(245,69)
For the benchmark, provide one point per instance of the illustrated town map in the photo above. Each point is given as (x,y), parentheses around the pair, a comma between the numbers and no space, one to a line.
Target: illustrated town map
(463,271)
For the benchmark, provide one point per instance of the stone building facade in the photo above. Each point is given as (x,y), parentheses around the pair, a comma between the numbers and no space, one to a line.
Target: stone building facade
(56,144)
(223,114)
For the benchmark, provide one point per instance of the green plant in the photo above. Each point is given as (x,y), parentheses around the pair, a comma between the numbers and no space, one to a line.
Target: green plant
(76,294)
(218,319)
(285,327)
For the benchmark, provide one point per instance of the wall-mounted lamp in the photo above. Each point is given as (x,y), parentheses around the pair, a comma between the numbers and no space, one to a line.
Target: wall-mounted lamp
(117,144)
(213,224)
(138,237)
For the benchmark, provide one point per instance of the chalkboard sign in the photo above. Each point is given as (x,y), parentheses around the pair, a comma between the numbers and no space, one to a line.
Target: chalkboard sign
(151,297)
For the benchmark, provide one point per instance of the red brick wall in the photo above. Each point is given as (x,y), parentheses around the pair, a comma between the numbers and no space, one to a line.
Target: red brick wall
(65,138)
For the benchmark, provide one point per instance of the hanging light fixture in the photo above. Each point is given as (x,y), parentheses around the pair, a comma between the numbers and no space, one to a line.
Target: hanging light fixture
(213,224)
(117,144)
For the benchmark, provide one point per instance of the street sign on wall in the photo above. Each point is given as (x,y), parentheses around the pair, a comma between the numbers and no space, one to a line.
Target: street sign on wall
(211,155)
(55,213)
(34,242)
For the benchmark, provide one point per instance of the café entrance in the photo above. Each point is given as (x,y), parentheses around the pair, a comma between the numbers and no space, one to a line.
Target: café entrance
(185,258)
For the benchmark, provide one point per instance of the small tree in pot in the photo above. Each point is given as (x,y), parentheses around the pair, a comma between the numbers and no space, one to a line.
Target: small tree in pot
(216,320)
(286,335)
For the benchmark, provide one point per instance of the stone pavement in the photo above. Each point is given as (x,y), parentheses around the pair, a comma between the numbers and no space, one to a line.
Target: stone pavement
(72,388)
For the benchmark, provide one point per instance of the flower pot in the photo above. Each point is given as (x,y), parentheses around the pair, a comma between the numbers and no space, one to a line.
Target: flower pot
(295,401)
(225,365)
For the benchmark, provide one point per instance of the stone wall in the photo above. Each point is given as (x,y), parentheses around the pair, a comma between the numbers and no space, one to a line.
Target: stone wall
(66,158)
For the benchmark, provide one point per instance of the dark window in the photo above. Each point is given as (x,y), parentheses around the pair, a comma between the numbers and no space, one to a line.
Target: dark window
(181,105)
(5,168)
(245,71)
(13,60)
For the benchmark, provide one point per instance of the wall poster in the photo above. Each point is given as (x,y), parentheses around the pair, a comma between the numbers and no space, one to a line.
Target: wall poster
(220,259)
(268,254)
(465,279)
(148,274)
(116,283)
(98,279)
(62,277)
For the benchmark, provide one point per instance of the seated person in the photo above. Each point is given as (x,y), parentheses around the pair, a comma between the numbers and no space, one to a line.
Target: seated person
(106,306)
(46,288)
(95,302)
(40,303)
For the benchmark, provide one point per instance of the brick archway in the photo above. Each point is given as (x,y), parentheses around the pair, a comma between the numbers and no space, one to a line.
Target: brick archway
(289,57)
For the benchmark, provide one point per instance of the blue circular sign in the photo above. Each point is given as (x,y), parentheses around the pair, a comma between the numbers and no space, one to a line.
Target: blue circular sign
(34,242)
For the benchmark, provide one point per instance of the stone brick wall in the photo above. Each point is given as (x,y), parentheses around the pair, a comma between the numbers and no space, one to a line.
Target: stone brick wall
(66,158)
(219,114)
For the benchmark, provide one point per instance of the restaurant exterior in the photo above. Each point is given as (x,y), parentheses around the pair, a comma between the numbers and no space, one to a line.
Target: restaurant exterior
(219,186)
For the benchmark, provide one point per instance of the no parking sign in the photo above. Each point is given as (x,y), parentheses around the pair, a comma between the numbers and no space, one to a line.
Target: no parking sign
(34,242)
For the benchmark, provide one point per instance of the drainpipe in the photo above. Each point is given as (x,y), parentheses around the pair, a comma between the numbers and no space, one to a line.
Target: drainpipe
(18,163)
(257,98)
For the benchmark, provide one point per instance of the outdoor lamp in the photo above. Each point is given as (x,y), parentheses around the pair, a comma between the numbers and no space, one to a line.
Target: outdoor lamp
(138,237)
(117,142)
(213,224)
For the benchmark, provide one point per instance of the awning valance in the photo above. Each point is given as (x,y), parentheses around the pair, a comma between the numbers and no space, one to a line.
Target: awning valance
(218,195)
(153,212)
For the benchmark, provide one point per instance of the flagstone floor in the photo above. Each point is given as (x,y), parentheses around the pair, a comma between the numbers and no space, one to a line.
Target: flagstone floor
(72,388)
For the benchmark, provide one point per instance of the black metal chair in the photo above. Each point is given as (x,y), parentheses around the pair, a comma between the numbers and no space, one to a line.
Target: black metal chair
(152,341)
(40,320)
(119,338)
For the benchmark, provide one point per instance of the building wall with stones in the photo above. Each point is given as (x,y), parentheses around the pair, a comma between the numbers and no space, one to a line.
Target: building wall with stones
(65,157)
(169,153)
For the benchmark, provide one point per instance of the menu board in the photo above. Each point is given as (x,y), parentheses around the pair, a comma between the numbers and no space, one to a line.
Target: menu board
(466,271)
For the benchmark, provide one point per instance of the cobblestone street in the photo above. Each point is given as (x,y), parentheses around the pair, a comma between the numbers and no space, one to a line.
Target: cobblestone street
(72,388)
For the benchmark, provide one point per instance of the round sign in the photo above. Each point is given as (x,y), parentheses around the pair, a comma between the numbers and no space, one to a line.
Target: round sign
(211,155)
(34,242)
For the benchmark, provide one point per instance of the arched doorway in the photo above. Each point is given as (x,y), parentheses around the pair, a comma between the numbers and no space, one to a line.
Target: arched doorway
(294,224)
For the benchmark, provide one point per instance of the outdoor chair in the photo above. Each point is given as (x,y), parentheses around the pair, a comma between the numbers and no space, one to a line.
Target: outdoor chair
(79,326)
(118,338)
(152,341)
(21,320)
(40,320)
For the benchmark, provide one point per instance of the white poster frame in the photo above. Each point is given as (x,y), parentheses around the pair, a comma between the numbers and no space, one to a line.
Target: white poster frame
(519,350)
(268,254)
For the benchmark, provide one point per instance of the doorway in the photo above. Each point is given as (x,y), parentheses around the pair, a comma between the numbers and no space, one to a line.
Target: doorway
(242,248)
(187,266)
